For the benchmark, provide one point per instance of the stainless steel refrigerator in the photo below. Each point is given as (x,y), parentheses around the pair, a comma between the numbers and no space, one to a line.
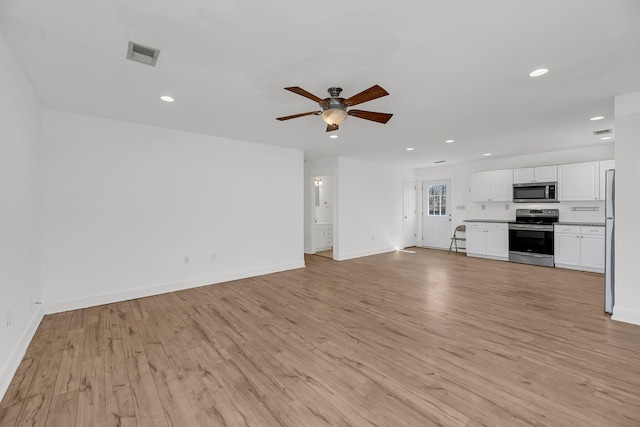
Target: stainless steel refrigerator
(609,261)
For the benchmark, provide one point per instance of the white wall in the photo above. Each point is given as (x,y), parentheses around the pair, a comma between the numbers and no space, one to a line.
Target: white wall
(369,204)
(125,203)
(464,208)
(20,210)
(627,226)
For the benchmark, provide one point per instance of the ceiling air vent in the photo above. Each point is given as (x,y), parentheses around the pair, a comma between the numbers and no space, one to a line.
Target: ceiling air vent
(142,54)
(439,161)
(601,132)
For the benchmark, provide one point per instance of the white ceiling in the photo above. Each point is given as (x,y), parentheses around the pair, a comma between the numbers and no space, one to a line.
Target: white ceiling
(454,69)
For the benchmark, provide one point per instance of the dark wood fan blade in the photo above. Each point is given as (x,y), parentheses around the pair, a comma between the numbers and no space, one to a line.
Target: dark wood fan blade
(366,95)
(300,91)
(331,128)
(298,115)
(371,115)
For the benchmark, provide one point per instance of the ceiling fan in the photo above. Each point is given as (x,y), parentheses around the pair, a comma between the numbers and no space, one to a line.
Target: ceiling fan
(334,109)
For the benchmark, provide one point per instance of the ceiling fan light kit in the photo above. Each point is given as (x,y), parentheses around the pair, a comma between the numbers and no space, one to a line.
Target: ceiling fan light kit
(334,109)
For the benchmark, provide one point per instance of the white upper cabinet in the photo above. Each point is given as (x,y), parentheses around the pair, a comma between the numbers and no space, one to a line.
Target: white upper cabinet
(576,181)
(481,186)
(546,173)
(523,175)
(536,174)
(502,185)
(605,165)
(492,186)
(579,181)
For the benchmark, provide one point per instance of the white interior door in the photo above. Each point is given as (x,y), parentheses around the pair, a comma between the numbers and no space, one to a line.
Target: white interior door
(410,213)
(436,214)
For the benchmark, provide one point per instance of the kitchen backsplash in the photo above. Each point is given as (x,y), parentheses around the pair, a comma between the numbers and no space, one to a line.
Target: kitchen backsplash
(584,210)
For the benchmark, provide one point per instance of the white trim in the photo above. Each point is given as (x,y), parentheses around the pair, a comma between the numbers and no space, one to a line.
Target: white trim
(145,291)
(15,357)
(368,252)
(580,268)
(414,241)
(626,315)
(495,258)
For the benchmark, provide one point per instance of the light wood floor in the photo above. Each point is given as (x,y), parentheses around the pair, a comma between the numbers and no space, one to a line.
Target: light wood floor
(326,254)
(397,339)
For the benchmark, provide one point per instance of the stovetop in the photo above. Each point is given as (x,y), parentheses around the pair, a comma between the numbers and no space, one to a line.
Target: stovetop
(537,216)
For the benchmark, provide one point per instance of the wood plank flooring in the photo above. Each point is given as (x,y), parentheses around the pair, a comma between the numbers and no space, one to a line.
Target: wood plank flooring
(399,339)
(326,254)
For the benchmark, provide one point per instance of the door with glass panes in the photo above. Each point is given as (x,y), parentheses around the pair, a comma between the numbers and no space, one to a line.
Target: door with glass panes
(436,214)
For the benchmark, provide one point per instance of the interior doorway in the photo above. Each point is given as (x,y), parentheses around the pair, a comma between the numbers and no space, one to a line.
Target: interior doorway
(409,212)
(323,218)
(436,214)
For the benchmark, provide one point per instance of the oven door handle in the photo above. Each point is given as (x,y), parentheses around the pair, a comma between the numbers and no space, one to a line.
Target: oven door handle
(531,227)
(532,255)
(536,255)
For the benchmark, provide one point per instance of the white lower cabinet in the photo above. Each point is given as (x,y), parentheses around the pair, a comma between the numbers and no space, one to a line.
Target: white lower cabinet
(488,240)
(579,247)
(592,248)
(324,236)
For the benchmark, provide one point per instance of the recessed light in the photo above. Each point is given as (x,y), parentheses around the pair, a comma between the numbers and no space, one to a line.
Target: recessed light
(486,154)
(604,138)
(167,98)
(410,149)
(333,136)
(449,141)
(539,72)
(596,118)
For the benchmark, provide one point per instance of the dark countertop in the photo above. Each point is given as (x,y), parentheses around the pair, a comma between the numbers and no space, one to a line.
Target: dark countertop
(585,224)
(503,221)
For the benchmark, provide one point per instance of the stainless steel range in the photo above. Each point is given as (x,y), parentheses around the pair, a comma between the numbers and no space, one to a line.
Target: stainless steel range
(531,236)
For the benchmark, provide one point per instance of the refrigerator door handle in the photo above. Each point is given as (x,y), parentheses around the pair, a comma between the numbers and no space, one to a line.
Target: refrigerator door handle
(609,267)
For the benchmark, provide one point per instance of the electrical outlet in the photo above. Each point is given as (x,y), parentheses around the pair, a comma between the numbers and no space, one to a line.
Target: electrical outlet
(186,260)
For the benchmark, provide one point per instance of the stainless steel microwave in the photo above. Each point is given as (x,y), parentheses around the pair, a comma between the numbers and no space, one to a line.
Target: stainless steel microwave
(539,192)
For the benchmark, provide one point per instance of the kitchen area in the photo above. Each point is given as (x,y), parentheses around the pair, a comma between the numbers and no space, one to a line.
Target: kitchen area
(537,232)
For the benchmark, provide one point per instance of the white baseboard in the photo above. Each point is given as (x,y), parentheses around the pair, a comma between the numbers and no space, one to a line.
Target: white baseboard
(580,268)
(145,291)
(15,357)
(359,254)
(626,315)
(495,258)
